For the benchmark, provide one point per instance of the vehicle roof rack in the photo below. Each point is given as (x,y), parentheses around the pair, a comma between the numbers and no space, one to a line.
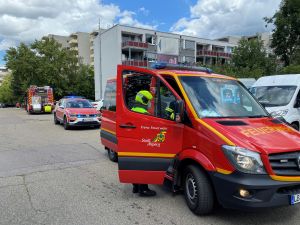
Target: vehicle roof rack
(169,66)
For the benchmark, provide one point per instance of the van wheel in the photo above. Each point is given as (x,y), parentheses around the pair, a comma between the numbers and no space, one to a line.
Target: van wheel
(55,119)
(295,126)
(66,126)
(112,155)
(198,191)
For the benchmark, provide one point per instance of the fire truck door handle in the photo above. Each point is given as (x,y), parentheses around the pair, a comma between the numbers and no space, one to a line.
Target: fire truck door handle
(131,126)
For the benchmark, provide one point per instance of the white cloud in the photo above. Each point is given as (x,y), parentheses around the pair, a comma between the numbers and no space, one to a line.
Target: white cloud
(144,11)
(31,19)
(127,19)
(5,44)
(217,18)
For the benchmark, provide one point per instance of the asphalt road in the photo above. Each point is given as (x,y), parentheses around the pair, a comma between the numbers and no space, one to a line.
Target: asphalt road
(52,176)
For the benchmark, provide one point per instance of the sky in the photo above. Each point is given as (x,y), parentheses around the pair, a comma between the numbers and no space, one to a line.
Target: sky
(27,20)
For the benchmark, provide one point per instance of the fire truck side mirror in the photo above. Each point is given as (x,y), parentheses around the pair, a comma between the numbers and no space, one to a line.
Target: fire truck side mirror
(179,111)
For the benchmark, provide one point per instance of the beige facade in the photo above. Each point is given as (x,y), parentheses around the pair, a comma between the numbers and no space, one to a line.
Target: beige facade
(80,42)
(3,73)
(63,40)
(265,37)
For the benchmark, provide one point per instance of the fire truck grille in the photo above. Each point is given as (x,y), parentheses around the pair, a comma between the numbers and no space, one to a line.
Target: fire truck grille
(285,164)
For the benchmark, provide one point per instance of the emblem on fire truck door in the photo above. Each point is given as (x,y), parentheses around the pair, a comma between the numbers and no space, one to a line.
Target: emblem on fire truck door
(160,137)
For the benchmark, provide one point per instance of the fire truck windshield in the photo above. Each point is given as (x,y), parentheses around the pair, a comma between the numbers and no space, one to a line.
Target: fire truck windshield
(216,98)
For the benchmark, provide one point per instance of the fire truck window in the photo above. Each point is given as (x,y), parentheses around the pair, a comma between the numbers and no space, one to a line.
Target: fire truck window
(140,92)
(174,85)
(109,102)
(166,103)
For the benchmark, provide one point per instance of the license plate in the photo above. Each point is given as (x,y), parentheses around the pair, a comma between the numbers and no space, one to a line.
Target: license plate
(295,199)
(87,119)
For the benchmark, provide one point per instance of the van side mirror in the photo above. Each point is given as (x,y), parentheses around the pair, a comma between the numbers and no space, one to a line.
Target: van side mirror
(179,111)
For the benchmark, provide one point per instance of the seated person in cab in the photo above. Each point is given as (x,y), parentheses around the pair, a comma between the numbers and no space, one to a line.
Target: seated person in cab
(167,103)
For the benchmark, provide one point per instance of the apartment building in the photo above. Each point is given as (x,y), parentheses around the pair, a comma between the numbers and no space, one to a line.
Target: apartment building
(140,47)
(80,42)
(92,37)
(3,73)
(63,40)
(265,37)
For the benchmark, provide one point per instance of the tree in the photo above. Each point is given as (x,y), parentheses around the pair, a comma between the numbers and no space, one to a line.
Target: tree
(286,32)
(46,63)
(249,59)
(291,69)
(6,92)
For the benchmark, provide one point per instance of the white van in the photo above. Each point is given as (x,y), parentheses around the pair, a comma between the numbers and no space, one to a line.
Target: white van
(248,82)
(280,96)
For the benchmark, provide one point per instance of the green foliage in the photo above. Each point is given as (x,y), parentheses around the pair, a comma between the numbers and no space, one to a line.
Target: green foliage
(286,32)
(6,92)
(291,69)
(249,60)
(45,62)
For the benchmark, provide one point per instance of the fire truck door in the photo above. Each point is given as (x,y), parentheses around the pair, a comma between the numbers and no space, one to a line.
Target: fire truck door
(148,137)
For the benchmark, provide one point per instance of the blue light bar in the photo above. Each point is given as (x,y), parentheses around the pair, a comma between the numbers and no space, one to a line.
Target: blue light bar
(73,96)
(168,66)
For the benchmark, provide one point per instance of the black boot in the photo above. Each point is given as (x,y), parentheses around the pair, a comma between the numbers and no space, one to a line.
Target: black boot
(145,191)
(135,188)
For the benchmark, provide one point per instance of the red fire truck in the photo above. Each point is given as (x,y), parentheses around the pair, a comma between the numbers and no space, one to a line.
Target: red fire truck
(221,145)
(39,99)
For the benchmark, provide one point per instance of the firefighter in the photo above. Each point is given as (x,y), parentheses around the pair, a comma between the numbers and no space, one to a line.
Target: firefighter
(141,105)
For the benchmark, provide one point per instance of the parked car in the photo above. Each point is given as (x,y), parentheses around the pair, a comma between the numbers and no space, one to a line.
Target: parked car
(98,104)
(76,111)
(2,105)
(280,96)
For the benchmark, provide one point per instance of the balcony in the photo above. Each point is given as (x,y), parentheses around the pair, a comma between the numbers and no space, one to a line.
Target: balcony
(213,54)
(138,63)
(134,45)
(73,43)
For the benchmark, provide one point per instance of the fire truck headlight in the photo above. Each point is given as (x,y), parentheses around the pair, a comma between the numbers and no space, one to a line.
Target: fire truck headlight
(72,115)
(244,160)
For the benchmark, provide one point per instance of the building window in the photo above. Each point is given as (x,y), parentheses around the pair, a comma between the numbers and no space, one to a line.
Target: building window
(189,45)
(150,39)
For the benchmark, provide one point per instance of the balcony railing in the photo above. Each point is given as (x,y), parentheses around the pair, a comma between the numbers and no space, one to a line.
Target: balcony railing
(139,63)
(134,44)
(213,53)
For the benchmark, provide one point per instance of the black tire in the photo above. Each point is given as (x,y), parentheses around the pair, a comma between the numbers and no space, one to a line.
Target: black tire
(198,191)
(112,155)
(295,126)
(55,119)
(66,125)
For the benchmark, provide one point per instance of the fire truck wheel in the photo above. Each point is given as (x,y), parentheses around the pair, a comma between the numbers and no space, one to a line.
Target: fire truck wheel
(198,191)
(112,155)
(55,119)
(66,126)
